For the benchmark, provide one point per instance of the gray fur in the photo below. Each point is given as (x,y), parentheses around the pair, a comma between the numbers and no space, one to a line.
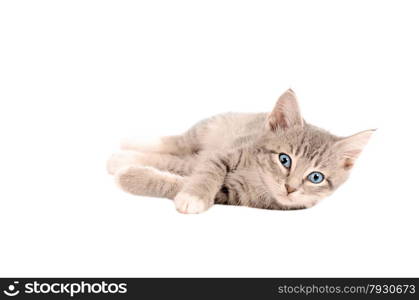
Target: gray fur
(233,159)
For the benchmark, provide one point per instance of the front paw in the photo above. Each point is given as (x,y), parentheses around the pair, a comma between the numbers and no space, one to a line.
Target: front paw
(189,204)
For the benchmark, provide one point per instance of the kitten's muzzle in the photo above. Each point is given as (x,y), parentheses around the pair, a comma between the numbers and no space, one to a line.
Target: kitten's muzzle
(290,189)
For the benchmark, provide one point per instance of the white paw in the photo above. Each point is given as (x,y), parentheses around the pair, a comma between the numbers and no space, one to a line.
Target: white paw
(123,159)
(188,204)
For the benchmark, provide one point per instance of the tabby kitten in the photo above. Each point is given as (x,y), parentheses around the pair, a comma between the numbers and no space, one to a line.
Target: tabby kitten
(273,161)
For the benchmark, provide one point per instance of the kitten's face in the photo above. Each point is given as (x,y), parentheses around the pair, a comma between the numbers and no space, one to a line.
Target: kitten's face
(304,164)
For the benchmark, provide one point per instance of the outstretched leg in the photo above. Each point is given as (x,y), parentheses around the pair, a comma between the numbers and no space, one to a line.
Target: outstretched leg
(192,194)
(176,145)
(201,187)
(148,181)
(181,165)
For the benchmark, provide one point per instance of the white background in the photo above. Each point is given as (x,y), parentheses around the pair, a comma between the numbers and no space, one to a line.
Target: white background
(76,76)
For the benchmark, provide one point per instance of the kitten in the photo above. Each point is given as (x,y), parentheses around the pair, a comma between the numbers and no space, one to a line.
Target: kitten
(272,161)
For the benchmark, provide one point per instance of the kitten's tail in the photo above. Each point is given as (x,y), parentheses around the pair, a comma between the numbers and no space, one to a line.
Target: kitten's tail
(148,181)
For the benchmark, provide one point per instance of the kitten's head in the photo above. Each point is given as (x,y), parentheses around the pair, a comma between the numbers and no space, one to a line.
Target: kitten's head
(305,163)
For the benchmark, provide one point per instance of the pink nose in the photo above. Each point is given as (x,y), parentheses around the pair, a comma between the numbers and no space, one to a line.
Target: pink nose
(290,189)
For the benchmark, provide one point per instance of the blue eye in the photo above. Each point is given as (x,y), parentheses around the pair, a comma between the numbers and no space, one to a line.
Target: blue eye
(315,177)
(285,160)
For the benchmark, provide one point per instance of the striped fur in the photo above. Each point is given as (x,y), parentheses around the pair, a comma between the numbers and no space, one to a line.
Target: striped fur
(233,159)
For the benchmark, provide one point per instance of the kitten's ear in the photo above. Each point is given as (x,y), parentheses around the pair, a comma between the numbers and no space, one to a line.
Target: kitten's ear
(350,148)
(286,112)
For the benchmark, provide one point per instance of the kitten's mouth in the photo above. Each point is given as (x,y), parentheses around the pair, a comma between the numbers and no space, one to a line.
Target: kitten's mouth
(280,196)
